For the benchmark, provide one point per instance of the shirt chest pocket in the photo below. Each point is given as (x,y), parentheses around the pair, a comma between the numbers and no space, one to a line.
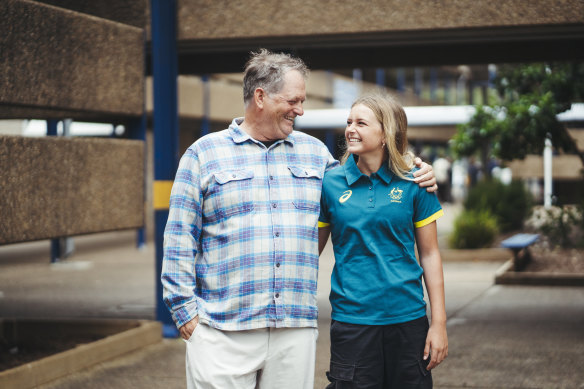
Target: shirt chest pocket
(233,192)
(307,185)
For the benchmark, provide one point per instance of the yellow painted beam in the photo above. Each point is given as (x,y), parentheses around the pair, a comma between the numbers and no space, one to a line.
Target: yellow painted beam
(161,194)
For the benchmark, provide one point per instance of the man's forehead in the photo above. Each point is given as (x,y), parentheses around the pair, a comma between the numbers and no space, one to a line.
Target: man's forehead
(293,88)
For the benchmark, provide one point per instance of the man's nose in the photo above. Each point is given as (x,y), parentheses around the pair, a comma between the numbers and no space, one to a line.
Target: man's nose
(299,109)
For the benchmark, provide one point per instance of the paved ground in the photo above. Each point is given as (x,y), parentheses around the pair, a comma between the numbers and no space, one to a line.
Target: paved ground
(500,336)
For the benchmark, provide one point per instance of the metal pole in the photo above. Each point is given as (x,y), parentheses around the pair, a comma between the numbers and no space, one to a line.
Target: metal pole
(165,120)
(206,122)
(55,243)
(433,83)
(67,244)
(547,174)
(136,129)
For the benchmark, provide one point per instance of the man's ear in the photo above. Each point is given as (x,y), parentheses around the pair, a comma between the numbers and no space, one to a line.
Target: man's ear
(259,95)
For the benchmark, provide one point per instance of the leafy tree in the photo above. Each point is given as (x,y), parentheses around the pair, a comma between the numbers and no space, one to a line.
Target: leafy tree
(529,98)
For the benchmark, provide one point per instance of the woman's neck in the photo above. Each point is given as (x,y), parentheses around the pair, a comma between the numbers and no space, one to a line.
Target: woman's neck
(369,164)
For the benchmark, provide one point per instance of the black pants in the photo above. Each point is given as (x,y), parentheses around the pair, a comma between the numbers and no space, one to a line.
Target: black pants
(380,357)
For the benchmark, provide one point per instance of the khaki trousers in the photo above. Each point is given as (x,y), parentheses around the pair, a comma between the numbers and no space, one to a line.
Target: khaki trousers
(267,358)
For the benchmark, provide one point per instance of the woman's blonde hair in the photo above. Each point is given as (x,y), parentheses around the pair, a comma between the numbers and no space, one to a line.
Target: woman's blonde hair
(394,125)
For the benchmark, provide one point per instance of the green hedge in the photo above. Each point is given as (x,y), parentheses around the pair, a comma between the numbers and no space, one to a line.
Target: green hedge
(473,230)
(509,204)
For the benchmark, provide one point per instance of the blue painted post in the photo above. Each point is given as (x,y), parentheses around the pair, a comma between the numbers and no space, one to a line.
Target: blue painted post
(401,80)
(418,81)
(433,83)
(55,243)
(136,129)
(52,127)
(331,141)
(380,77)
(165,123)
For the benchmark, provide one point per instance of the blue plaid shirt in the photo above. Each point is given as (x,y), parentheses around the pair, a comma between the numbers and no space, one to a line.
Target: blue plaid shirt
(241,241)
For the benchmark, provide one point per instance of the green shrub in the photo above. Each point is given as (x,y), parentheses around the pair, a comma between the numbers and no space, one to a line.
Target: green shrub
(473,230)
(510,204)
(564,225)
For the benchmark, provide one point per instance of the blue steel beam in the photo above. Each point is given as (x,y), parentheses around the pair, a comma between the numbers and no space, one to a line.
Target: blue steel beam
(165,122)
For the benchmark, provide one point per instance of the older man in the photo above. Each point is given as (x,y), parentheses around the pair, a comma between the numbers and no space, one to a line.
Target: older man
(241,242)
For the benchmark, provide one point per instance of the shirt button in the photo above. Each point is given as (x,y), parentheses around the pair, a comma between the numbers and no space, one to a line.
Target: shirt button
(274,205)
(370,187)
(277,234)
(233,176)
(278,264)
(271,177)
(277,295)
(370,200)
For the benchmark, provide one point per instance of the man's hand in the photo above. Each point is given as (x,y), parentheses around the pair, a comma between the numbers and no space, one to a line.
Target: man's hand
(425,176)
(187,330)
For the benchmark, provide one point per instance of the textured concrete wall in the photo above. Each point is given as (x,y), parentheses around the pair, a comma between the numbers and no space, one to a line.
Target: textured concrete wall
(214,19)
(131,12)
(68,63)
(54,187)
(564,167)
(217,35)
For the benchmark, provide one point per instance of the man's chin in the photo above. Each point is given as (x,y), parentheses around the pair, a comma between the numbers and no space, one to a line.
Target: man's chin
(286,130)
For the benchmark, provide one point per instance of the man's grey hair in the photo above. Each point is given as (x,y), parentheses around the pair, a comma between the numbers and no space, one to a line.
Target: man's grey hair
(266,70)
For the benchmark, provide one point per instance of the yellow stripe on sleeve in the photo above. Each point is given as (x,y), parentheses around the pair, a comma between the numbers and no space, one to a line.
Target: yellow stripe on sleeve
(429,220)
(161,194)
(321,224)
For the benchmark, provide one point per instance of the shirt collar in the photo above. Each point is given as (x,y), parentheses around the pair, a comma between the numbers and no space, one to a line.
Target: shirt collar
(240,136)
(352,172)
(385,174)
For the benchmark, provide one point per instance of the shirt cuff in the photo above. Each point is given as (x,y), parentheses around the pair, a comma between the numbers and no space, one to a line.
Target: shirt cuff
(185,314)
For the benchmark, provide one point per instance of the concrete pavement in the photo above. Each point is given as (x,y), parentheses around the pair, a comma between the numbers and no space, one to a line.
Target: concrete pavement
(499,336)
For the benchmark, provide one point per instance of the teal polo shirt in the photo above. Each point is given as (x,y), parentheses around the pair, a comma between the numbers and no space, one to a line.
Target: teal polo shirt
(376,279)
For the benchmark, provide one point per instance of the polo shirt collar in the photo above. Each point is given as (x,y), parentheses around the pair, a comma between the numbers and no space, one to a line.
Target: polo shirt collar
(384,173)
(352,172)
(240,136)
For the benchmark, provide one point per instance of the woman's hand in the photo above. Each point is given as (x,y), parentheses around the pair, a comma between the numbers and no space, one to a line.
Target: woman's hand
(436,345)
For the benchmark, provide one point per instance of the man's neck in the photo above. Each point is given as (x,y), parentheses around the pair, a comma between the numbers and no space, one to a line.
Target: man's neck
(255,130)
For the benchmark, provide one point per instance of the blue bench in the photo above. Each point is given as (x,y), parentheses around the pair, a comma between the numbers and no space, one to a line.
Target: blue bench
(520,243)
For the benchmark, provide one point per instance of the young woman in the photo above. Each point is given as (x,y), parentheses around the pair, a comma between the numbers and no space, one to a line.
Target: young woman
(380,335)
